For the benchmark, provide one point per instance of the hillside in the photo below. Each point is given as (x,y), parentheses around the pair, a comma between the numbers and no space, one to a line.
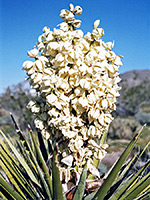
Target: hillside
(134,93)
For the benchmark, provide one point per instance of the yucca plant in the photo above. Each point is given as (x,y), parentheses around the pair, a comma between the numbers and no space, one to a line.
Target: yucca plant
(76,80)
(31,172)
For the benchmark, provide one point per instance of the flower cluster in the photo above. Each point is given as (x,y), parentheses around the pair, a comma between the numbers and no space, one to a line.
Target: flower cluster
(76,78)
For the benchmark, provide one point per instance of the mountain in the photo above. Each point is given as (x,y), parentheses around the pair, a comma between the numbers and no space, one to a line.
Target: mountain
(135,92)
(132,107)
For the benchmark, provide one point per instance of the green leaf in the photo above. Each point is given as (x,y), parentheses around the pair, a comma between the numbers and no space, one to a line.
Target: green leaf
(21,160)
(122,178)
(15,171)
(2,196)
(27,158)
(129,184)
(137,188)
(12,180)
(46,180)
(9,190)
(144,196)
(102,192)
(81,186)
(90,196)
(57,187)
(42,146)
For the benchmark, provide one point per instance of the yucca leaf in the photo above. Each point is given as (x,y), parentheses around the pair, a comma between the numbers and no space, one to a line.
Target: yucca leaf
(12,180)
(21,160)
(40,173)
(42,146)
(2,196)
(81,186)
(122,178)
(125,173)
(127,166)
(28,158)
(144,196)
(57,187)
(19,133)
(128,184)
(112,175)
(43,166)
(137,188)
(134,160)
(145,190)
(90,196)
(17,174)
(6,188)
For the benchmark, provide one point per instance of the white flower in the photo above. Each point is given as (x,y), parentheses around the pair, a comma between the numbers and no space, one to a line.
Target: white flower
(91,98)
(85,84)
(59,60)
(27,65)
(79,33)
(93,114)
(51,99)
(117,61)
(31,71)
(91,131)
(78,10)
(68,160)
(88,37)
(98,33)
(53,112)
(37,78)
(64,26)
(109,45)
(83,101)
(46,134)
(76,143)
(66,46)
(104,103)
(38,65)
(69,17)
(92,169)
(96,23)
(63,13)
(39,124)
(100,154)
(33,53)
(46,30)
(76,23)
(49,37)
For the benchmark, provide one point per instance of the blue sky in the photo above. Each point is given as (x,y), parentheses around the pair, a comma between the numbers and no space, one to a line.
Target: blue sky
(127,22)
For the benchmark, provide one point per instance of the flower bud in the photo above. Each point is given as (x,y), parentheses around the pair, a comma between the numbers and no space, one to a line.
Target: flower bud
(71,7)
(96,23)
(78,10)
